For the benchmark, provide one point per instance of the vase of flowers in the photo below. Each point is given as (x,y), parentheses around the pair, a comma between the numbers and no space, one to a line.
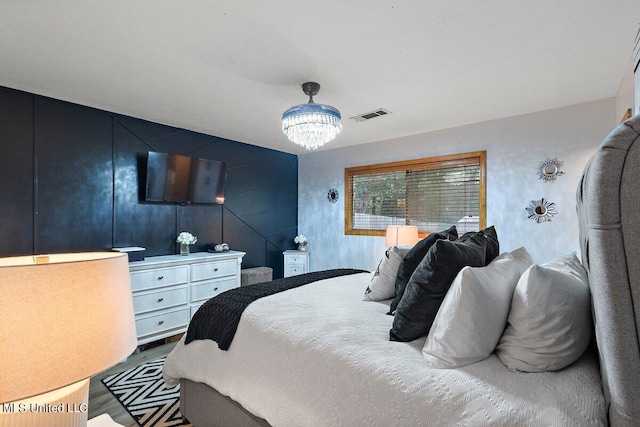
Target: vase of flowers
(302,242)
(185,239)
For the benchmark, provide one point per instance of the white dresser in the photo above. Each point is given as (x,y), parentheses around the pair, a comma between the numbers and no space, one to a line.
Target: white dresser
(295,262)
(168,289)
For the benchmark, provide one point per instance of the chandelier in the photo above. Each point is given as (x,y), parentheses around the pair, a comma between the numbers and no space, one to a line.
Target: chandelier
(311,125)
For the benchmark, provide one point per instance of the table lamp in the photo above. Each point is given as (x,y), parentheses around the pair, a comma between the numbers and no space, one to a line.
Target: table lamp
(63,319)
(401,235)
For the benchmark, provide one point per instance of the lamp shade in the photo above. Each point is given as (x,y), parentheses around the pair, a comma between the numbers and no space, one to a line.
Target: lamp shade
(401,235)
(64,318)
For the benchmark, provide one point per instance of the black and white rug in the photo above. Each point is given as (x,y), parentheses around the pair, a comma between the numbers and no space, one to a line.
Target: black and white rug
(142,392)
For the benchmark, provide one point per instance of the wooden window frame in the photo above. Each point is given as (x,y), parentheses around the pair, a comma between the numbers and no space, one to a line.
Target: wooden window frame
(439,162)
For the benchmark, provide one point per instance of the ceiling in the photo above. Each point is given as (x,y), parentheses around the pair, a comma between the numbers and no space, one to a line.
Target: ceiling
(230,68)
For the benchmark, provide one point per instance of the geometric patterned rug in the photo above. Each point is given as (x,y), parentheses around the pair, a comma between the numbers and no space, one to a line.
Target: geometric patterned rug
(142,392)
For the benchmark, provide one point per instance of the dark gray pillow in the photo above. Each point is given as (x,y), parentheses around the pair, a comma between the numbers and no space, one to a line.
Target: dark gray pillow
(431,281)
(493,246)
(412,260)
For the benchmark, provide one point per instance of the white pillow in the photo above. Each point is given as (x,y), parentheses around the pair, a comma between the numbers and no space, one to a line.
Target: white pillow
(383,280)
(474,312)
(549,326)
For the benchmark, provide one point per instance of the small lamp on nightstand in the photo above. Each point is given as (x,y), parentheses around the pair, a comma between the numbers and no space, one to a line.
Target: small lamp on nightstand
(64,318)
(401,235)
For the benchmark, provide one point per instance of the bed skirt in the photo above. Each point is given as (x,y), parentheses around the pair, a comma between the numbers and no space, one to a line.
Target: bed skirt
(203,406)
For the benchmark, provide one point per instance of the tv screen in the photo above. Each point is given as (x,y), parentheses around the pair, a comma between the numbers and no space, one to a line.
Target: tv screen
(173,178)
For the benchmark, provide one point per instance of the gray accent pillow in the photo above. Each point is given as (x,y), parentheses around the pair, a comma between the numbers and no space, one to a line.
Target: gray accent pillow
(431,281)
(413,258)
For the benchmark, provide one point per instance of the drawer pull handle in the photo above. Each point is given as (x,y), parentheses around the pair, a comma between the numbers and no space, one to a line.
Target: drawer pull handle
(215,269)
(160,277)
(215,289)
(160,322)
(160,299)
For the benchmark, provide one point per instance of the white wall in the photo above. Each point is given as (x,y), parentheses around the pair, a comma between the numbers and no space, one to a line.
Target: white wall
(515,146)
(625,98)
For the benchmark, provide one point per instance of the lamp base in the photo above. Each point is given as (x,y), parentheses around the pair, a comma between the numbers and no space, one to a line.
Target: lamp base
(103,420)
(64,407)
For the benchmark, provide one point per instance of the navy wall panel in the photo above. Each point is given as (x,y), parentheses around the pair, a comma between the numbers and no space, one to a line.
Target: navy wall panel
(79,187)
(74,189)
(16,173)
(136,223)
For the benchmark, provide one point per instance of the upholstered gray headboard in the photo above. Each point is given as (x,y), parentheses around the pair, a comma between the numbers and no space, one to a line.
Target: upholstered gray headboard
(609,216)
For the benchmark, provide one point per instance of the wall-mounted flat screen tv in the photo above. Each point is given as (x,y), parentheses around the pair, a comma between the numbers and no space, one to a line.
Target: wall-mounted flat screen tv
(172,178)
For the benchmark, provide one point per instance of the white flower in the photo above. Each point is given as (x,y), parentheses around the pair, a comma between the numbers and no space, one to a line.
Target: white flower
(186,238)
(301,239)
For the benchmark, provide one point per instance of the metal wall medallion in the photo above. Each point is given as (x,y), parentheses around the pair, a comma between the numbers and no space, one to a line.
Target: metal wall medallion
(541,210)
(549,170)
(332,195)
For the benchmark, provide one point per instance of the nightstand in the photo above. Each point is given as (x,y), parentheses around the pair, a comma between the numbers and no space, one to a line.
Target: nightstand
(295,262)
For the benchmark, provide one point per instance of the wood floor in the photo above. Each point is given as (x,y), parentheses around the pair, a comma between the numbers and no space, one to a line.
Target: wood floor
(101,401)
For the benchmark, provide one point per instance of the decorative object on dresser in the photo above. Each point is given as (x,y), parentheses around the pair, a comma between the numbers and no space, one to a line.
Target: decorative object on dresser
(135,253)
(541,210)
(185,239)
(302,242)
(549,170)
(66,317)
(295,262)
(222,247)
(168,289)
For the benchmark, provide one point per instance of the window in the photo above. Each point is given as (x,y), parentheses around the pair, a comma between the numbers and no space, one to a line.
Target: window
(432,193)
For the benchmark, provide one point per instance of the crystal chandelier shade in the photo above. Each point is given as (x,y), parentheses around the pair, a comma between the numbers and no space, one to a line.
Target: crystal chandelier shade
(311,125)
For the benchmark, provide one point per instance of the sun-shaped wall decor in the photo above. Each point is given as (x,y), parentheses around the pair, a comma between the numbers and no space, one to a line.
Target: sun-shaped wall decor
(541,210)
(549,170)
(332,195)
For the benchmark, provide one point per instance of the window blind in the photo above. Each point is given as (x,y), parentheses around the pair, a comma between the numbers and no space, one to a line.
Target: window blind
(432,194)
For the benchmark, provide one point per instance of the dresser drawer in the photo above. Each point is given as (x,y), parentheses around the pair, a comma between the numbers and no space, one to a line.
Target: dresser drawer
(294,269)
(297,259)
(149,279)
(146,302)
(212,270)
(208,290)
(162,322)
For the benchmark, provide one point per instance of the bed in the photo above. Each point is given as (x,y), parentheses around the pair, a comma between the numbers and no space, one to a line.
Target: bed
(319,355)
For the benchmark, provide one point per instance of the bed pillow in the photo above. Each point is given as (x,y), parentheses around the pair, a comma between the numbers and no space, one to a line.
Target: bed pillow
(383,280)
(493,246)
(413,259)
(474,312)
(549,325)
(429,284)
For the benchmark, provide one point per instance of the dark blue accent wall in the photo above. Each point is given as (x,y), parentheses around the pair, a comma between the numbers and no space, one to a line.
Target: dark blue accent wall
(69,181)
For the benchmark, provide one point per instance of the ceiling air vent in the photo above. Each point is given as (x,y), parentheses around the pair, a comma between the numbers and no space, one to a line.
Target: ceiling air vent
(370,115)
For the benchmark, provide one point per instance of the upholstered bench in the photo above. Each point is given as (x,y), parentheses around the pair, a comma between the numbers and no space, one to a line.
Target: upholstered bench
(249,276)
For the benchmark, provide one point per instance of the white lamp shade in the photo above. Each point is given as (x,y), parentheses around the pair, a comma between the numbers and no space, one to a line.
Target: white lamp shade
(62,321)
(401,235)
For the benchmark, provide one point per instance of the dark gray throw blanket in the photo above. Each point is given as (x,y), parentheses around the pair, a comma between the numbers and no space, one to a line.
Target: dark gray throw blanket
(218,318)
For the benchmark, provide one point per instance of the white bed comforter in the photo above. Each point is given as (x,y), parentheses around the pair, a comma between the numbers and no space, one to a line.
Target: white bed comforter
(320,356)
